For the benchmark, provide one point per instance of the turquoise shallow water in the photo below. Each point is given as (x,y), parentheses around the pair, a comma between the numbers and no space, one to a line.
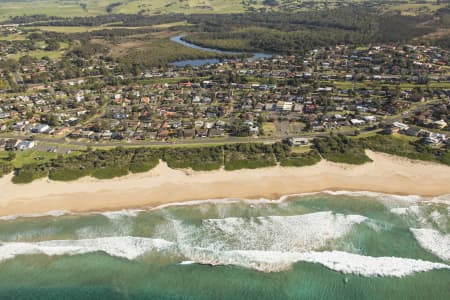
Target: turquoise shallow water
(319,246)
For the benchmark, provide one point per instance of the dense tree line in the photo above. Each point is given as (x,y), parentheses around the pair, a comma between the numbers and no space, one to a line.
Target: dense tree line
(5,168)
(278,32)
(341,149)
(121,161)
(296,32)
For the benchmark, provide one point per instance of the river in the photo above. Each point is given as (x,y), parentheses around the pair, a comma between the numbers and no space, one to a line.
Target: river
(200,62)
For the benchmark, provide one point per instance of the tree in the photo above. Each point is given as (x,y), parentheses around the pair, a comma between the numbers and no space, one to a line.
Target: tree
(270,2)
(52,45)
(11,156)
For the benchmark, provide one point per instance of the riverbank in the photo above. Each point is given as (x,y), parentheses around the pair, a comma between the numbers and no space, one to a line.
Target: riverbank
(179,39)
(162,185)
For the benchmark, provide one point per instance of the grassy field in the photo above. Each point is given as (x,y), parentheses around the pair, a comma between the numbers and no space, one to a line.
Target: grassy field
(67,29)
(68,8)
(83,8)
(269,129)
(154,52)
(40,53)
(415,9)
(29,157)
(79,29)
(183,6)
(35,155)
(13,37)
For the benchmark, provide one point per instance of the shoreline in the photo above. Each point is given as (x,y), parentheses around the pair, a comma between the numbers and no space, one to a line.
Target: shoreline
(163,186)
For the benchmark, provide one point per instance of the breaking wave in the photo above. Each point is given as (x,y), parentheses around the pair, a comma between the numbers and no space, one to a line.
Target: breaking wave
(113,215)
(267,261)
(433,241)
(54,213)
(386,198)
(273,233)
(348,263)
(124,247)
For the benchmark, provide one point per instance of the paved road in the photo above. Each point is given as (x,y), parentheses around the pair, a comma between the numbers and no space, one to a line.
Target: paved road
(66,143)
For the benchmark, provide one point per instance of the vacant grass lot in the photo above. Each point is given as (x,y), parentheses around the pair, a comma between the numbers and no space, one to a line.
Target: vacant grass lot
(43,53)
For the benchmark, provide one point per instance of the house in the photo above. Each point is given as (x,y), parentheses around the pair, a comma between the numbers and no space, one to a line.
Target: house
(285,106)
(188,133)
(163,134)
(369,119)
(430,141)
(411,132)
(400,125)
(25,145)
(216,132)
(4,115)
(392,130)
(41,128)
(254,130)
(357,122)
(202,132)
(298,141)
(11,144)
(441,124)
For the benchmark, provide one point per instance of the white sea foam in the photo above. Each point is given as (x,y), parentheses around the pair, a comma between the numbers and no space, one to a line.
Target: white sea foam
(125,247)
(274,233)
(55,213)
(404,198)
(275,261)
(267,261)
(426,215)
(113,215)
(117,227)
(433,241)
(386,198)
(410,210)
(187,262)
(445,199)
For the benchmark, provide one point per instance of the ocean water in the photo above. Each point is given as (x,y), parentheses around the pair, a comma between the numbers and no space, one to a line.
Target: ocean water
(340,245)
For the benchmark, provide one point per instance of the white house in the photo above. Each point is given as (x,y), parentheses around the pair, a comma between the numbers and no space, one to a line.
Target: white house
(298,141)
(357,122)
(25,145)
(369,119)
(41,128)
(402,126)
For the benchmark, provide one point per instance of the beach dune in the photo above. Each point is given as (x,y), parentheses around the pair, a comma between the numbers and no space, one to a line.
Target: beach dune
(162,185)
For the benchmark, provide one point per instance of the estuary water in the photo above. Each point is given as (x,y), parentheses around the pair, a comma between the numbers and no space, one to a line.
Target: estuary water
(200,62)
(331,245)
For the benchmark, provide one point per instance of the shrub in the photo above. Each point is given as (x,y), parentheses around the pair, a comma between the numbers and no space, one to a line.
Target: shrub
(300,159)
(341,149)
(66,174)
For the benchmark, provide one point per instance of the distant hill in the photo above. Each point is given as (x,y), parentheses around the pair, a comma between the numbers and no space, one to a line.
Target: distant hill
(81,8)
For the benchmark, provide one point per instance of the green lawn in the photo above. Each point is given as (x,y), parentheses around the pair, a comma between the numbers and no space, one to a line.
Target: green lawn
(301,149)
(29,157)
(34,156)
(13,37)
(67,29)
(414,9)
(269,128)
(39,54)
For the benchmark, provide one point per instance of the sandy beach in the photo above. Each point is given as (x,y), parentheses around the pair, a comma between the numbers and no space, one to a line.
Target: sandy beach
(162,185)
